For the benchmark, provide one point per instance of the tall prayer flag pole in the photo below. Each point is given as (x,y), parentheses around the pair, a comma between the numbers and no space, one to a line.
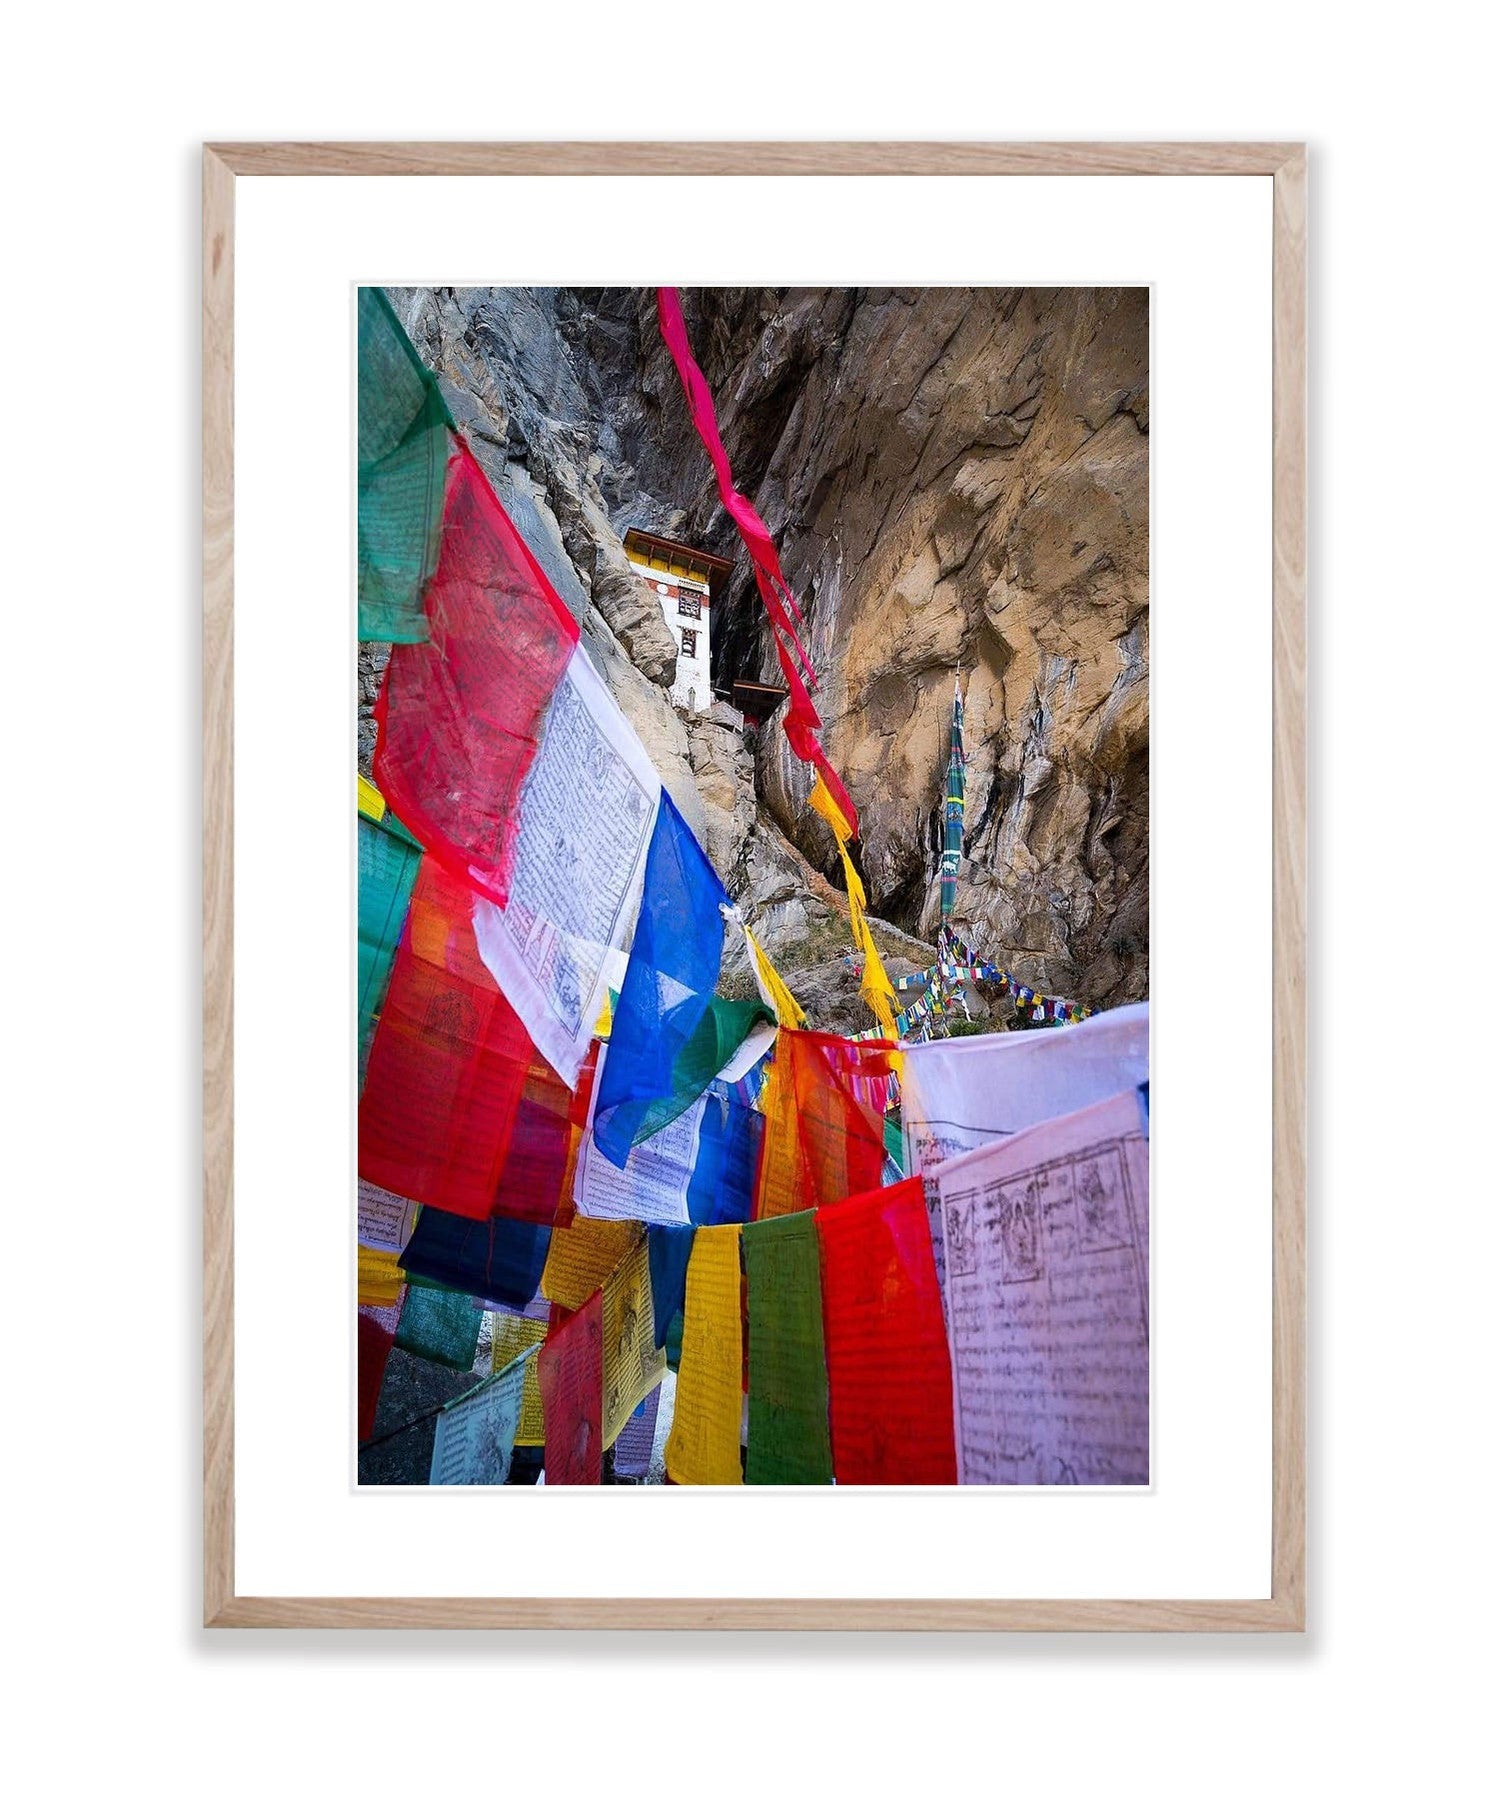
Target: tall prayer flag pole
(952,844)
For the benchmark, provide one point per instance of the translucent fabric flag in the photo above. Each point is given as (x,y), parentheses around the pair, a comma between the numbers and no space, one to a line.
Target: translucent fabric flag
(513,1336)
(668,1248)
(777,996)
(653,1184)
(633,1364)
(386,1220)
(475,1436)
(459,717)
(584,1253)
(802,721)
(720,1032)
(570,1369)
(703,1448)
(494,1258)
(889,1373)
(961,1092)
(439,1325)
(673,970)
(458,1111)
(388,858)
(824,1106)
(403,459)
(788,1441)
(1047,1236)
(632,1451)
(586,816)
(375,1343)
(381,1281)
(728,1158)
(874,983)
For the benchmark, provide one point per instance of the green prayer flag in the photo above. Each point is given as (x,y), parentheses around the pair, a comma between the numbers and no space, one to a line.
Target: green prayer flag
(403,460)
(388,859)
(720,1031)
(439,1325)
(789,1443)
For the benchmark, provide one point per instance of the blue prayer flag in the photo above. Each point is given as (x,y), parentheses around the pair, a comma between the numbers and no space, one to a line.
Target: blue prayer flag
(673,970)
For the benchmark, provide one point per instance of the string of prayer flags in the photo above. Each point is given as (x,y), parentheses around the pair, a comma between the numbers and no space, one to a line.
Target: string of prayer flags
(476,1432)
(874,983)
(788,1442)
(668,1247)
(1047,1237)
(703,1448)
(570,1370)
(513,1335)
(587,813)
(403,459)
(439,1325)
(492,1258)
(632,1450)
(583,1254)
(674,963)
(824,1106)
(458,1111)
(889,1376)
(459,717)
(967,1091)
(633,1362)
(388,858)
(802,721)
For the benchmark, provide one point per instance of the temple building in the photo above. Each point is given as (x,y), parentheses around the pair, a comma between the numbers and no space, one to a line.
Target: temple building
(686,582)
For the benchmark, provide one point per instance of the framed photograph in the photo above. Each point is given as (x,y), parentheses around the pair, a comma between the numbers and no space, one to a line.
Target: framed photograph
(781,1102)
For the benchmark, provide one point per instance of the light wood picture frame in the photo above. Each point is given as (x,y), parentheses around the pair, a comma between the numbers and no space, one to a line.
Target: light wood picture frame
(1285,164)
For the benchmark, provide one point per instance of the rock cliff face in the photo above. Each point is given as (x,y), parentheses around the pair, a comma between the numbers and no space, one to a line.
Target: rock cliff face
(957,480)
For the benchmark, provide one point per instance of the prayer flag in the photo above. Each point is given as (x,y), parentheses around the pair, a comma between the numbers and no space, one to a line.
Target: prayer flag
(962,1092)
(632,1451)
(801,721)
(586,816)
(824,1106)
(584,1253)
(703,1448)
(458,717)
(388,858)
(513,1336)
(788,1441)
(952,826)
(475,1437)
(439,1325)
(889,1374)
(728,1158)
(669,1247)
(403,459)
(673,970)
(570,1370)
(1047,1237)
(458,1111)
(633,1363)
(492,1258)
(874,983)
(375,1343)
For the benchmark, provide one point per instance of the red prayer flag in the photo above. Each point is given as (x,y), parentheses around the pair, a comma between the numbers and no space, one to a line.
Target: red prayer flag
(889,1369)
(459,716)
(459,1111)
(570,1369)
(374,1351)
(802,719)
(824,1121)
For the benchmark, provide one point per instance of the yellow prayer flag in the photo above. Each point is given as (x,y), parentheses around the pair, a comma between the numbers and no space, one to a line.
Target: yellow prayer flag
(512,1337)
(703,1448)
(632,1362)
(371,800)
(582,1257)
(776,994)
(380,1277)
